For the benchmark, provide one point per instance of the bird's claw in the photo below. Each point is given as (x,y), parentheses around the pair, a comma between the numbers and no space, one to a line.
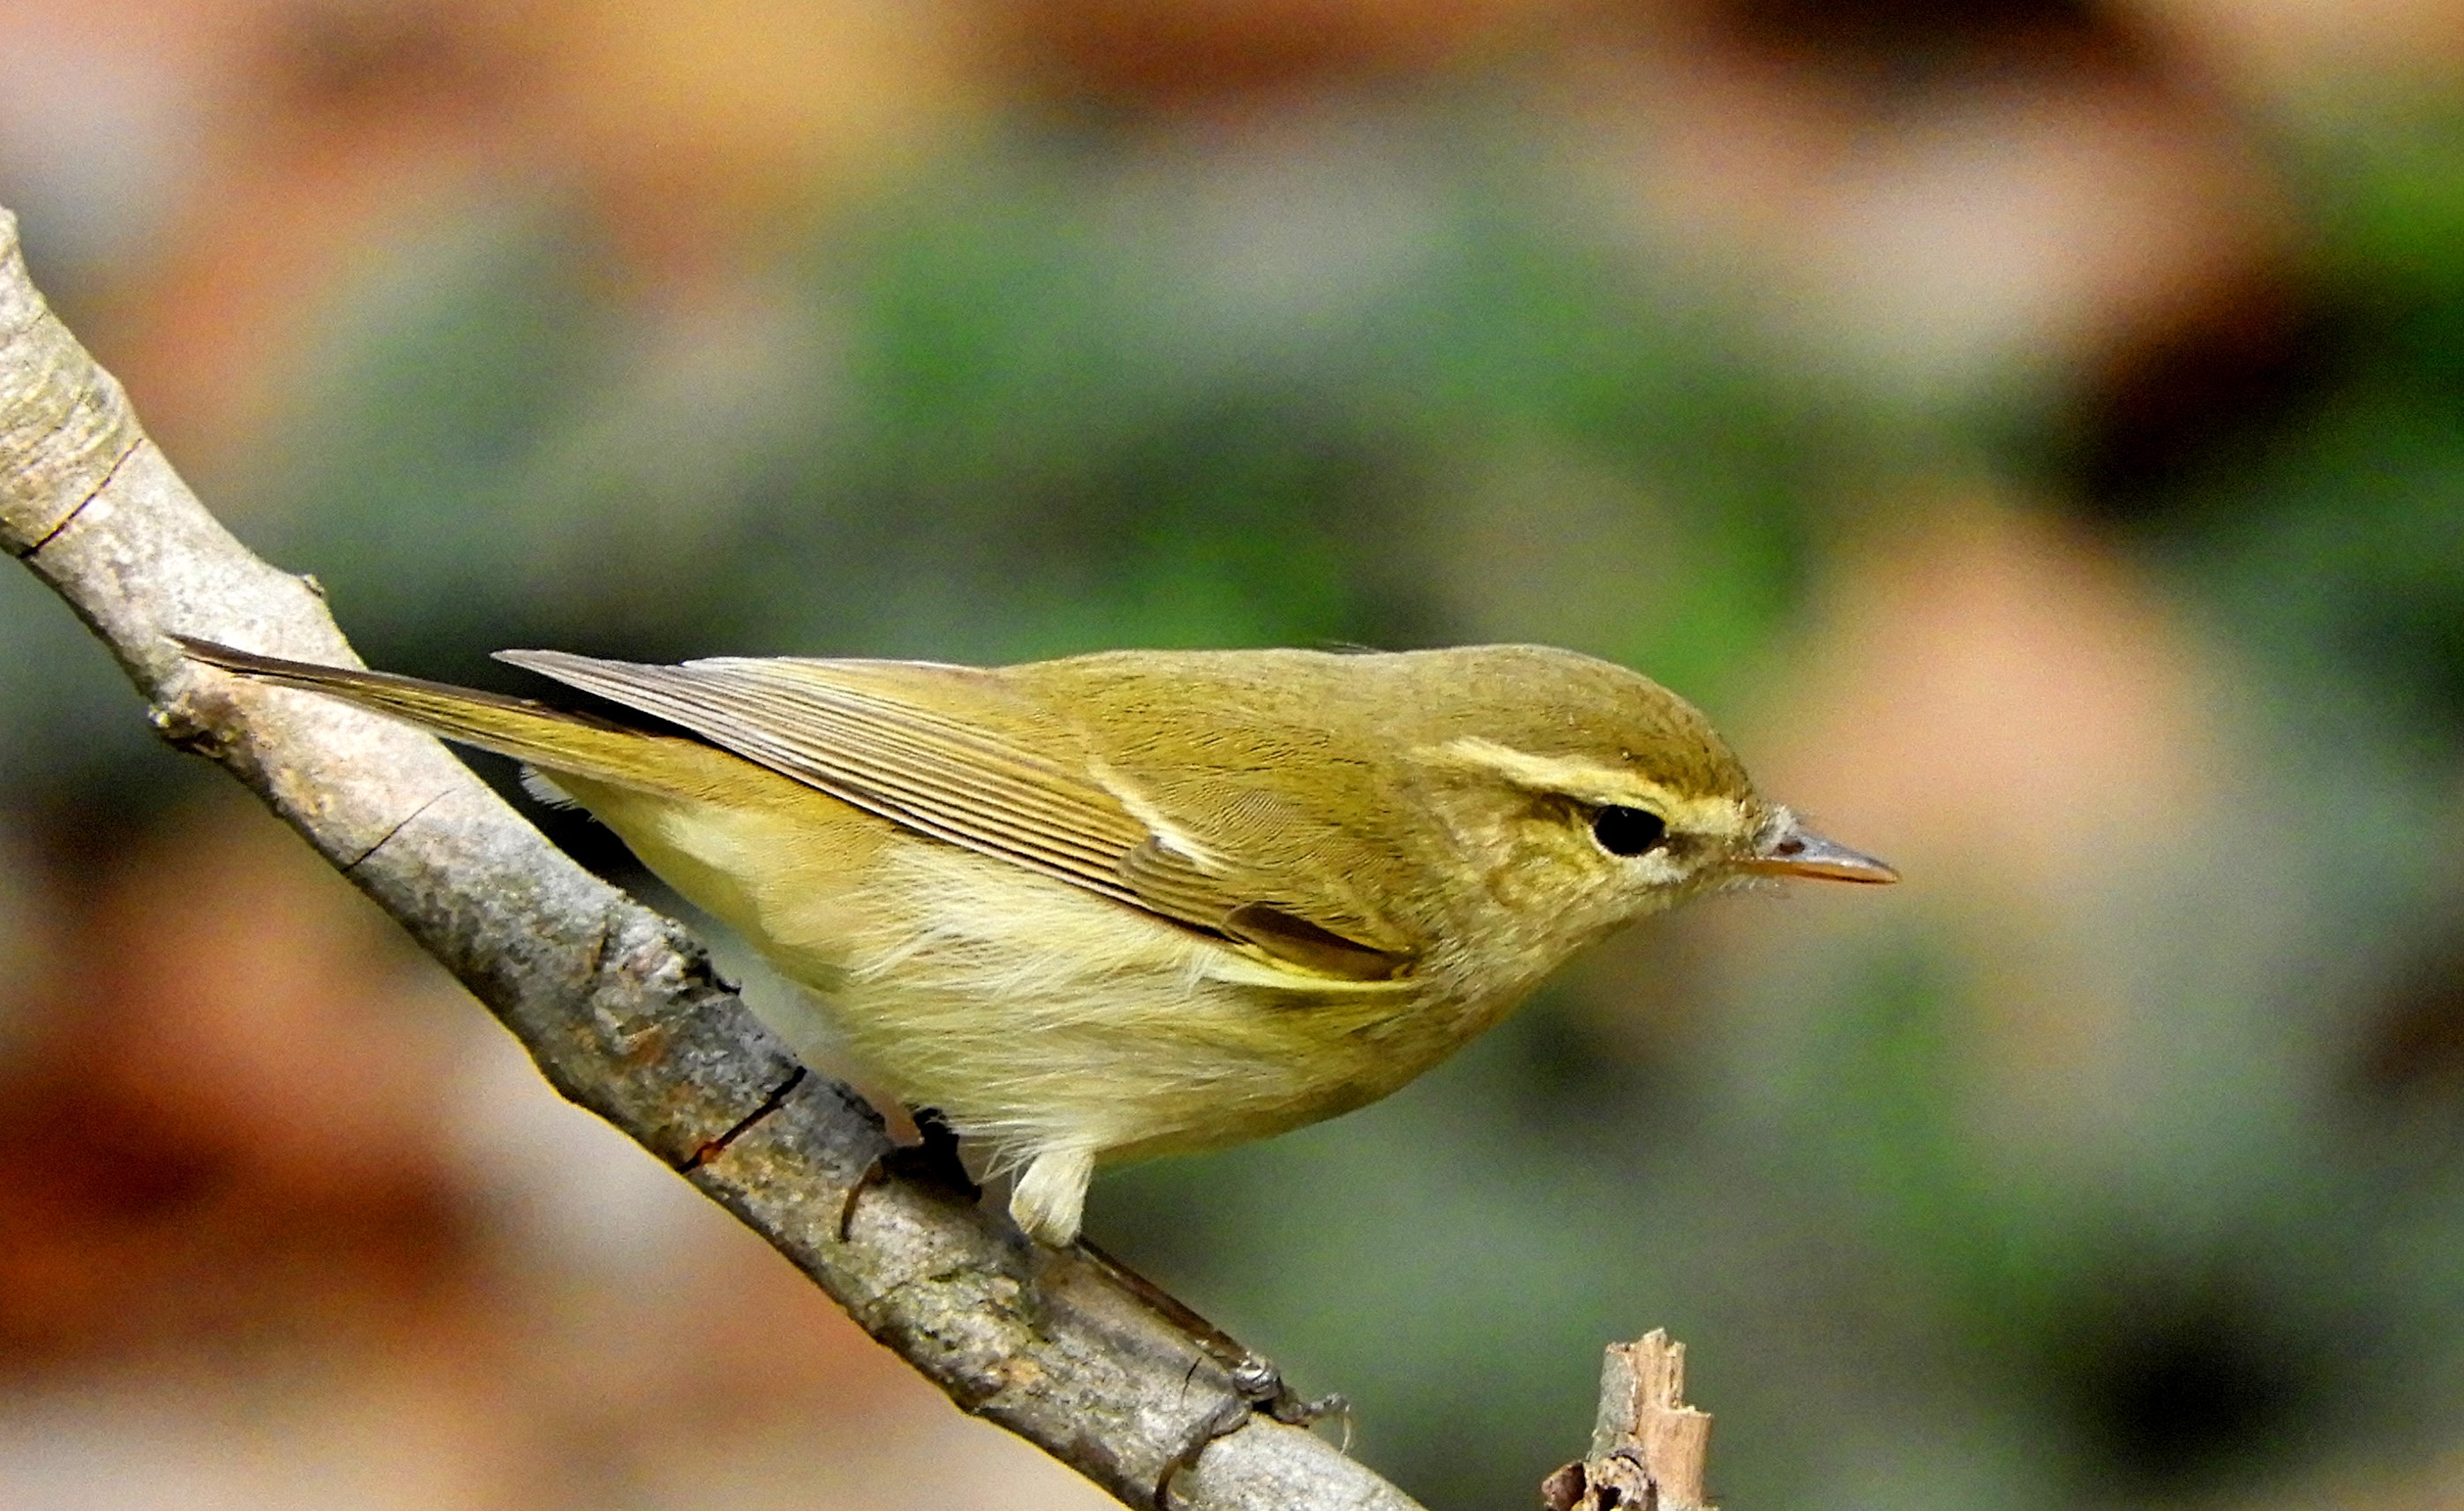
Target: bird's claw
(932,1160)
(1229,1417)
(1262,1386)
(1258,1390)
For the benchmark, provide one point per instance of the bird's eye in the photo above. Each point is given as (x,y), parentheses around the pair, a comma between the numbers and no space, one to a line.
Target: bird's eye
(1628,831)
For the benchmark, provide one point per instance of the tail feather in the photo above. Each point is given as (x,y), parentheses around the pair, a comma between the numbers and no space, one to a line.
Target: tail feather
(552,740)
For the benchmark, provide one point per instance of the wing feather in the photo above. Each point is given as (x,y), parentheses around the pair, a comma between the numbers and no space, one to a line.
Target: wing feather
(978,765)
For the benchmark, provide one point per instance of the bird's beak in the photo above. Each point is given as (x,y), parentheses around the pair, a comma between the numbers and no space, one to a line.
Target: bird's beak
(1792,851)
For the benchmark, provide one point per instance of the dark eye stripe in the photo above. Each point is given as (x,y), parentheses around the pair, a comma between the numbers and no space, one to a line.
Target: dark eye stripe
(1628,831)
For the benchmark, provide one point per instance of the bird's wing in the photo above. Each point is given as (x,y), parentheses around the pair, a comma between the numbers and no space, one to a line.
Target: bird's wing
(957,753)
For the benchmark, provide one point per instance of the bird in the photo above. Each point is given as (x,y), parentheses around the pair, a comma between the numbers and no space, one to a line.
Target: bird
(1136,903)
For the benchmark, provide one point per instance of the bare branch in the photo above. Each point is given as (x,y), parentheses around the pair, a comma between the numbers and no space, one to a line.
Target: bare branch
(616,1003)
(1648,1446)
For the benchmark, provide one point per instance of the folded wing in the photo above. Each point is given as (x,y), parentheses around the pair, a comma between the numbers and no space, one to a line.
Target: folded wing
(954,752)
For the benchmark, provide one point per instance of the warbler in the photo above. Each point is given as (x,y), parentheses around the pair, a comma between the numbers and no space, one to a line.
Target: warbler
(1142,902)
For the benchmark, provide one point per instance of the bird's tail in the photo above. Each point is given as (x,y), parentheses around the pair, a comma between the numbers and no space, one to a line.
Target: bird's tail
(555,740)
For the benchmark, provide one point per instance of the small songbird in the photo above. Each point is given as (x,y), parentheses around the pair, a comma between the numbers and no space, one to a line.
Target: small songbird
(1142,902)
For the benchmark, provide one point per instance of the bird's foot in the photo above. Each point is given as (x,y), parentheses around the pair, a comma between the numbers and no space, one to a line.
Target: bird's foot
(1227,1418)
(1258,1390)
(1262,1386)
(932,1160)
(1258,1385)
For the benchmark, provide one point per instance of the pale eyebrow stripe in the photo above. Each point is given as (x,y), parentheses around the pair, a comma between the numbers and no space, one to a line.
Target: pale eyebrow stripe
(1588,781)
(1570,775)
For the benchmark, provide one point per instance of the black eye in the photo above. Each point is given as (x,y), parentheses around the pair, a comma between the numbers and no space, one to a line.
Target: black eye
(1628,831)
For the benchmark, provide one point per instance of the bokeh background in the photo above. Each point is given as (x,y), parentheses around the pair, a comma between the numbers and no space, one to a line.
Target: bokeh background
(2034,428)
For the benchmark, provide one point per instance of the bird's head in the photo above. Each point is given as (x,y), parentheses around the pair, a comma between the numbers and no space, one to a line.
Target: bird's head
(1586,796)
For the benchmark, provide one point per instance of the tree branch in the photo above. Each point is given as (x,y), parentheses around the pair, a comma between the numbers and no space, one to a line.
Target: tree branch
(616,1003)
(1648,1446)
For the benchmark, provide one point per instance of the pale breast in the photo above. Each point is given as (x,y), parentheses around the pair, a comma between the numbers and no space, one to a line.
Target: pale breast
(1030,1011)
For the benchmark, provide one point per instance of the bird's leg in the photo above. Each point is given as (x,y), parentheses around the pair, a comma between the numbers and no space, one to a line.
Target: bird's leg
(1258,1385)
(932,1160)
(1254,1375)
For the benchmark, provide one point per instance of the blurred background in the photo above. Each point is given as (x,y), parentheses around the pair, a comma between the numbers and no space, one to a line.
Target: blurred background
(2033,429)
